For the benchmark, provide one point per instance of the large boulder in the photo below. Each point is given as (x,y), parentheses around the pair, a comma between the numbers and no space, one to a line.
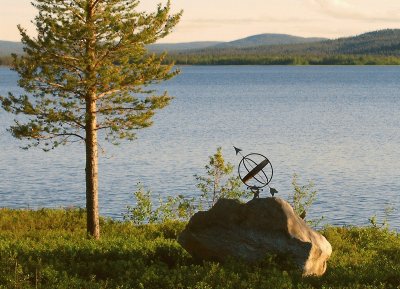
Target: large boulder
(250,231)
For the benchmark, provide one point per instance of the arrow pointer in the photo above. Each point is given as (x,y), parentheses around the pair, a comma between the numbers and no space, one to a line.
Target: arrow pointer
(237,150)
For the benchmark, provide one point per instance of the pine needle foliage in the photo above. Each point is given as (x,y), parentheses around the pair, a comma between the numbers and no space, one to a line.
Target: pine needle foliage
(87,70)
(83,49)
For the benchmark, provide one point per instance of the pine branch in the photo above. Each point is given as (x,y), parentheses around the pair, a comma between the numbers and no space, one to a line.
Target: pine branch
(111,91)
(70,134)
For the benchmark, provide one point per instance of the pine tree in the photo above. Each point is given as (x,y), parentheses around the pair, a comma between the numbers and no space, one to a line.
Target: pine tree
(87,71)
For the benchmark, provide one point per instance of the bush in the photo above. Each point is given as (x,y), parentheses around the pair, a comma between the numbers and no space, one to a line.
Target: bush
(302,198)
(49,249)
(144,211)
(218,182)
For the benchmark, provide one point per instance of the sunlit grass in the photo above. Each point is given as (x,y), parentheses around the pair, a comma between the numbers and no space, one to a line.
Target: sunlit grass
(49,249)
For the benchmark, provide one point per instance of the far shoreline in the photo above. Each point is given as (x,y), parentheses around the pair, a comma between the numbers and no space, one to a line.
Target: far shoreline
(268,60)
(291,65)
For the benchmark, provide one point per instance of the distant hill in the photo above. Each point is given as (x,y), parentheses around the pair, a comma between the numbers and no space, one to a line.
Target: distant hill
(251,41)
(267,39)
(382,42)
(377,47)
(8,47)
(161,47)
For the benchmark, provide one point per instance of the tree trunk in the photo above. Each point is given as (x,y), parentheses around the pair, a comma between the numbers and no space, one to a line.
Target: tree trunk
(92,203)
(92,207)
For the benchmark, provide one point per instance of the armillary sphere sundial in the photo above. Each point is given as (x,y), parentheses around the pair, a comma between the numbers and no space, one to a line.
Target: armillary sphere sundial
(256,172)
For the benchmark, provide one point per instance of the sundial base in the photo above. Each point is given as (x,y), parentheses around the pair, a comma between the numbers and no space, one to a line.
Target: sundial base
(256,192)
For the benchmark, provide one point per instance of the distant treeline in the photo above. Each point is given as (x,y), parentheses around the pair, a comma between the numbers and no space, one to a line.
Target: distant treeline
(181,59)
(6,60)
(373,48)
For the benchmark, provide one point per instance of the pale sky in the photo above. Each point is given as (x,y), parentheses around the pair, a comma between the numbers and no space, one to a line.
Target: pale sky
(233,19)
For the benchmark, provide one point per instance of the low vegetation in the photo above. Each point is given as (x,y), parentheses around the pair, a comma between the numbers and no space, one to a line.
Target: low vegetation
(49,249)
(217,182)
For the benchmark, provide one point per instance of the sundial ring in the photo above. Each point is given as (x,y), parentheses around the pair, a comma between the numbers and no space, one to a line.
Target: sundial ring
(264,179)
(253,168)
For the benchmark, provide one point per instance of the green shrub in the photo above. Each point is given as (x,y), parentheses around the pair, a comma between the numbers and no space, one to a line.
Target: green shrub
(145,212)
(49,249)
(218,182)
(302,198)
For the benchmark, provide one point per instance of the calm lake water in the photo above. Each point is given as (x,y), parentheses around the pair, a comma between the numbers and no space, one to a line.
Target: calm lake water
(337,126)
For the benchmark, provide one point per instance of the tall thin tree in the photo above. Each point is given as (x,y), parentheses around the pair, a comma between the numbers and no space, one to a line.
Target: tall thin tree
(86,71)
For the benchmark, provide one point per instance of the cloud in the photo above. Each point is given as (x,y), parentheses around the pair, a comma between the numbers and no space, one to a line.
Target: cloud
(357,10)
(243,21)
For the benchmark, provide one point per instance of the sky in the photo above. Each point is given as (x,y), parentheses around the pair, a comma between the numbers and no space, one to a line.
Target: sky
(225,20)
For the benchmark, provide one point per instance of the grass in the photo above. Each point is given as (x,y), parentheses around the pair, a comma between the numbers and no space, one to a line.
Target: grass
(49,249)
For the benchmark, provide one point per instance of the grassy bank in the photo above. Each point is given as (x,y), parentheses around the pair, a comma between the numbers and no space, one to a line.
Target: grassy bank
(49,249)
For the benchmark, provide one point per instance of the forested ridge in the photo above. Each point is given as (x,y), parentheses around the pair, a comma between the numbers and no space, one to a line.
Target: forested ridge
(383,42)
(372,48)
(378,47)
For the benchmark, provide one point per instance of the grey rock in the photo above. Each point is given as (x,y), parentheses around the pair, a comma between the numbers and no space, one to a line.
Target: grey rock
(250,231)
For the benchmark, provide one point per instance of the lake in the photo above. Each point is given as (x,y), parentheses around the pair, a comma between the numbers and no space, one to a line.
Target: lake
(338,126)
